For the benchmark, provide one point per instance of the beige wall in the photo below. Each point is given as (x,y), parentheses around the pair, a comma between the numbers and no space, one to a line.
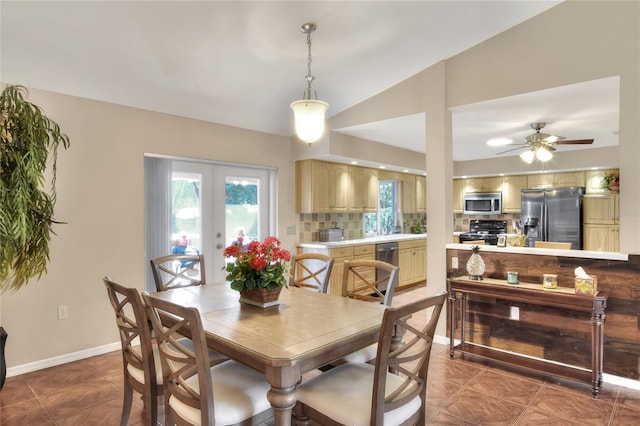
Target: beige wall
(100,195)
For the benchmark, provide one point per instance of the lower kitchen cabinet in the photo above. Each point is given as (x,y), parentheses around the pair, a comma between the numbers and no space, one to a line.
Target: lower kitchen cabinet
(412,260)
(601,230)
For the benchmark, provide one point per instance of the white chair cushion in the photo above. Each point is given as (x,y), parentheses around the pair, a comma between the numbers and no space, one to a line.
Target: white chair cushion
(362,355)
(344,394)
(138,374)
(238,391)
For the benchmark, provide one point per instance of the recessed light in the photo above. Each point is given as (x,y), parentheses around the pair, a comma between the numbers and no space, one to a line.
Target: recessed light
(382,167)
(406,171)
(354,162)
(499,142)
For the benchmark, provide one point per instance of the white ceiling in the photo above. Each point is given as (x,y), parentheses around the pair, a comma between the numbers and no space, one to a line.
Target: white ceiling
(242,63)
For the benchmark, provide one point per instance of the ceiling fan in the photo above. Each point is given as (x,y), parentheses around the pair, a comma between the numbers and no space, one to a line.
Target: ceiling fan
(541,145)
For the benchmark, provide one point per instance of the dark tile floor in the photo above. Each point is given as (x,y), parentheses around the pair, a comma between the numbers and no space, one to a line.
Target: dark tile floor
(460,392)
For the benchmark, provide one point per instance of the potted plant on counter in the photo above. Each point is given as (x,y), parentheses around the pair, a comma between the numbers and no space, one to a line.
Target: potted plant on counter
(611,181)
(258,271)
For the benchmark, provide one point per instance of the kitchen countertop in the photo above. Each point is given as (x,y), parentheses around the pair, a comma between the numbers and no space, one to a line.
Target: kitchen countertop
(361,241)
(605,255)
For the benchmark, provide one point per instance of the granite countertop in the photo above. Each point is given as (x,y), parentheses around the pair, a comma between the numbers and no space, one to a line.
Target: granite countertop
(360,241)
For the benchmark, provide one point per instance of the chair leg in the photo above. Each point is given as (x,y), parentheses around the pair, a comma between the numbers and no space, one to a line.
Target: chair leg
(299,418)
(126,404)
(150,399)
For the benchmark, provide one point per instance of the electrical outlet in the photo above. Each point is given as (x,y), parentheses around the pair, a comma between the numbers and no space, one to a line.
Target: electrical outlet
(454,262)
(514,313)
(63,312)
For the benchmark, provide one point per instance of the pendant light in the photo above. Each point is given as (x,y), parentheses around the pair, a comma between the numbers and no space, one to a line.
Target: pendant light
(309,113)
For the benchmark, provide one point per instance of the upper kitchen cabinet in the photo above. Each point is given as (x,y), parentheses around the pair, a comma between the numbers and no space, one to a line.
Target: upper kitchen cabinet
(458,195)
(364,189)
(540,180)
(593,180)
(421,194)
(322,187)
(483,184)
(408,193)
(511,187)
(564,180)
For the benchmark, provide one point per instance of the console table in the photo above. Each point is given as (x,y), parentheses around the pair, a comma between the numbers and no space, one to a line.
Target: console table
(533,294)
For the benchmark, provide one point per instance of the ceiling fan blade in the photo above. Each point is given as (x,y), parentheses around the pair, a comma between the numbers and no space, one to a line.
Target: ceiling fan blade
(512,149)
(575,142)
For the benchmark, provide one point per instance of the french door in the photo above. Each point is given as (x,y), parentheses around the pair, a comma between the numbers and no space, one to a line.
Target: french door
(210,203)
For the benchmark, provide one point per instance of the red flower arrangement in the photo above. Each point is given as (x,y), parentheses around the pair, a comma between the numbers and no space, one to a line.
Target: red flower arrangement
(259,265)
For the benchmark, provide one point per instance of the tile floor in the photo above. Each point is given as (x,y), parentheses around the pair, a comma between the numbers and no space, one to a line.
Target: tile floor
(460,392)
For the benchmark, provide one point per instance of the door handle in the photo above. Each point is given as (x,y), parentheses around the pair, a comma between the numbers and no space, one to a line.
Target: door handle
(219,246)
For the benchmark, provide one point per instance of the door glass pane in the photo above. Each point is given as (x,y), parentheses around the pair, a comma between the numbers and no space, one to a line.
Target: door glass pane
(186,213)
(241,210)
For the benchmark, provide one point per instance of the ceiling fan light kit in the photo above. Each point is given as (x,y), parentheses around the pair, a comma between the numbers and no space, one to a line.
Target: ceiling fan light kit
(541,145)
(308,112)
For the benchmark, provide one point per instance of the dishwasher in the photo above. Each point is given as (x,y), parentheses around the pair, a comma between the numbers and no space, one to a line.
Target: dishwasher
(387,252)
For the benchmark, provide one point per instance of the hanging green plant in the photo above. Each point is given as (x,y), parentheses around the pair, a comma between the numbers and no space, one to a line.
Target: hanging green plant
(29,142)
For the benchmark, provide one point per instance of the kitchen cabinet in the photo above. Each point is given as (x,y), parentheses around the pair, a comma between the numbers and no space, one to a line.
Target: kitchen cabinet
(483,184)
(458,195)
(511,187)
(601,230)
(421,194)
(593,178)
(563,180)
(363,189)
(541,180)
(363,252)
(339,255)
(408,193)
(321,187)
(412,260)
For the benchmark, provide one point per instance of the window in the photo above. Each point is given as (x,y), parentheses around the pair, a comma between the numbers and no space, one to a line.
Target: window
(387,218)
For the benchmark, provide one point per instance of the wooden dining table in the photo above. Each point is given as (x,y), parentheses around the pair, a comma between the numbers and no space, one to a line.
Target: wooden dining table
(305,331)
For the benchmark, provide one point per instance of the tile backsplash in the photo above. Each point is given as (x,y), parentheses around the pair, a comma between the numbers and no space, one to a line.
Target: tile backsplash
(310,223)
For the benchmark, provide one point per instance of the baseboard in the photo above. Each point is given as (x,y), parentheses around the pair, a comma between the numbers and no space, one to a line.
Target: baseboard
(62,359)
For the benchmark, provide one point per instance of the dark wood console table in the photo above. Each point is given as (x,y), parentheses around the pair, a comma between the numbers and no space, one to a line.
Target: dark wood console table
(534,294)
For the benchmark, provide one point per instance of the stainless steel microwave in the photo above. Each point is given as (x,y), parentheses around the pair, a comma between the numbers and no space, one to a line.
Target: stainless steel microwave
(483,203)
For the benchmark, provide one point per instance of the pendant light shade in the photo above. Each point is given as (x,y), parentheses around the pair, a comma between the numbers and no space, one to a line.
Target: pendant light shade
(528,156)
(543,154)
(309,119)
(309,113)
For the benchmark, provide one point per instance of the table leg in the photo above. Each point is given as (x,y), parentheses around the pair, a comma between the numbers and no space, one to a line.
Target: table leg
(282,394)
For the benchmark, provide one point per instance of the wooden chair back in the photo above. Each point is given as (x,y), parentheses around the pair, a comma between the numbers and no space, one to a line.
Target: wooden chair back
(178,270)
(410,361)
(369,280)
(179,362)
(552,245)
(311,271)
(138,361)
(475,242)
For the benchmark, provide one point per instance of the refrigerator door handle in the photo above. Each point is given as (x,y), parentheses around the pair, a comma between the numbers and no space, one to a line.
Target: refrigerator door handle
(545,224)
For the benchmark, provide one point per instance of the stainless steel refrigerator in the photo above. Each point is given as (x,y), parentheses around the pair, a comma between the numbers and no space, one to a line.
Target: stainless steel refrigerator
(552,215)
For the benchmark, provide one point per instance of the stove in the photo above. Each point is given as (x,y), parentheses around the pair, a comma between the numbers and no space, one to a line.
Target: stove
(487,230)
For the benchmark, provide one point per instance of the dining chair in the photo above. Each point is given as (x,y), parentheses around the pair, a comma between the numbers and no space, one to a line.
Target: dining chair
(178,270)
(371,280)
(552,245)
(391,392)
(311,271)
(141,368)
(192,389)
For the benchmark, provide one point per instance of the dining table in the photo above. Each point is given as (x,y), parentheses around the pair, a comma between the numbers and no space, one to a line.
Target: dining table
(305,331)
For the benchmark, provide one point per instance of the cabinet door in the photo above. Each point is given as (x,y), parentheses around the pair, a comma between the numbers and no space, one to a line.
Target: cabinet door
(511,187)
(421,194)
(420,264)
(364,189)
(484,184)
(601,237)
(408,194)
(405,263)
(338,187)
(458,195)
(319,190)
(599,209)
(540,180)
(563,180)
(593,179)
